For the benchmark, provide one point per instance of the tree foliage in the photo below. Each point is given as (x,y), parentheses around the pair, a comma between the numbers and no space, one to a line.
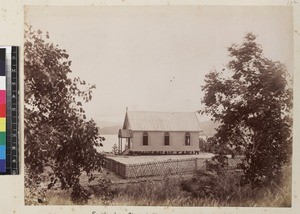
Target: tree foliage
(58,136)
(252,100)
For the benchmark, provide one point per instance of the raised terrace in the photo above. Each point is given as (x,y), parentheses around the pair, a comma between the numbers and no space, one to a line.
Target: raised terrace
(144,166)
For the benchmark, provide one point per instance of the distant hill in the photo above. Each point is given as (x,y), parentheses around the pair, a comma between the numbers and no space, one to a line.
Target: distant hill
(103,124)
(112,128)
(109,130)
(208,128)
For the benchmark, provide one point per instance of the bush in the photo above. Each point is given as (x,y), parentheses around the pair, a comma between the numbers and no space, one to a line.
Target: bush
(103,191)
(79,194)
(227,190)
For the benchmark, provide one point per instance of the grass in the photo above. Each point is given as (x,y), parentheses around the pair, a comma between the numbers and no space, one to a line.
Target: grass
(202,189)
(205,189)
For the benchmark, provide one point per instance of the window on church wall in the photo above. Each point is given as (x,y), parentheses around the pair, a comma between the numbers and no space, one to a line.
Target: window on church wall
(145,139)
(167,139)
(187,139)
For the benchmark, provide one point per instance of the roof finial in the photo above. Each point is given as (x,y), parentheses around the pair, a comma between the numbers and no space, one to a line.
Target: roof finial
(126,108)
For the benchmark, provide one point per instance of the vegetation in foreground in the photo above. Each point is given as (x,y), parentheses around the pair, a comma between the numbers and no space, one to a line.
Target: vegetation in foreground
(206,188)
(58,134)
(251,98)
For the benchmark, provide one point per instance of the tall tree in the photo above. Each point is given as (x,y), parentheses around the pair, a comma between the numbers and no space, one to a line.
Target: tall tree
(252,100)
(57,134)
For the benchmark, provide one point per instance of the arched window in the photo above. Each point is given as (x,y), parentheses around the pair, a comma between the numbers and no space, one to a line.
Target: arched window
(167,139)
(187,139)
(145,138)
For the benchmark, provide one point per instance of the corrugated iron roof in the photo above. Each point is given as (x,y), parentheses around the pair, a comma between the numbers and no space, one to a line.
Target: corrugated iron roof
(161,121)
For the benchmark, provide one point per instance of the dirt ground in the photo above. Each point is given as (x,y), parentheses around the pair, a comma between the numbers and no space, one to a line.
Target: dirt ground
(154,158)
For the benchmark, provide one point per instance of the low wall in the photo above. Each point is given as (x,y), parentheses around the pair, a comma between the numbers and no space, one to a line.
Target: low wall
(115,166)
(154,168)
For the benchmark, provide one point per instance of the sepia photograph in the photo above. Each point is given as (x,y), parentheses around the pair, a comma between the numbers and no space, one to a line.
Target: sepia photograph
(184,106)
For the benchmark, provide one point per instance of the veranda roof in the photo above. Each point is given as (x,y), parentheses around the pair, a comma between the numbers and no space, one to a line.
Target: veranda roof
(125,133)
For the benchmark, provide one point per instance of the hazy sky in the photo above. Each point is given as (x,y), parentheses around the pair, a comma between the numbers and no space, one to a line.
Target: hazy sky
(155,58)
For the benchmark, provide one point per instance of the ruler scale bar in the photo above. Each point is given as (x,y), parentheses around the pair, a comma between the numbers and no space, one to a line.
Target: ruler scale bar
(14,111)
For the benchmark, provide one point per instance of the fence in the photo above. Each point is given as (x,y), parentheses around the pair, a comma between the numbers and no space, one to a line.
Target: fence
(176,166)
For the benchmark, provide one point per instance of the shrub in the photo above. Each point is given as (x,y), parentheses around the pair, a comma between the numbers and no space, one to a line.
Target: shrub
(226,189)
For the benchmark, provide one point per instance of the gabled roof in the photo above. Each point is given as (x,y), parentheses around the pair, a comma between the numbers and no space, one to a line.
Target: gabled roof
(161,121)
